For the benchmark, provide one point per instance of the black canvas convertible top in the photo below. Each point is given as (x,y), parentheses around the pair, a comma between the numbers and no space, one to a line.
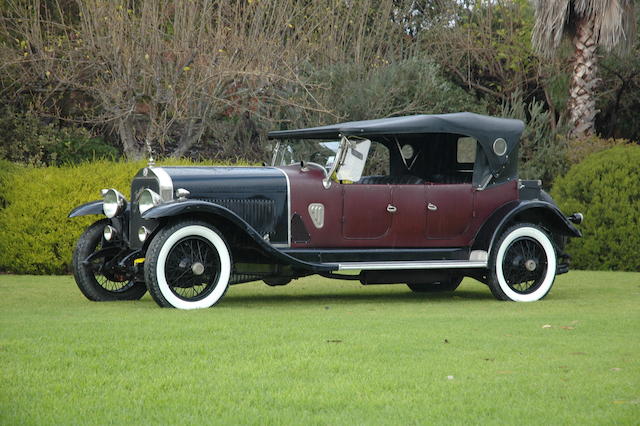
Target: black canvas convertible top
(483,128)
(464,123)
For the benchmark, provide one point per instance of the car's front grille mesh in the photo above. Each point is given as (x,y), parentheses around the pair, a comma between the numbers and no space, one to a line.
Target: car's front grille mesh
(258,212)
(137,185)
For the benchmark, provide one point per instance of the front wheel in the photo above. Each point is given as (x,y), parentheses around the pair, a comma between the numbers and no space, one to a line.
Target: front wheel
(188,266)
(95,269)
(522,267)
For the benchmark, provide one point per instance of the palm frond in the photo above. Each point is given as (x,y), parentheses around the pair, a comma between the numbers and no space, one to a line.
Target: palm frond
(614,22)
(551,20)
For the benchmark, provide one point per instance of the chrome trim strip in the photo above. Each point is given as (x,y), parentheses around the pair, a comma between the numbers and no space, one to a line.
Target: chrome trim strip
(433,264)
(165,182)
(286,176)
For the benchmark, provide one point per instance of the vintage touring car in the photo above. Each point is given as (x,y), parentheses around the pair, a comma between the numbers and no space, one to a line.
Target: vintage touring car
(421,200)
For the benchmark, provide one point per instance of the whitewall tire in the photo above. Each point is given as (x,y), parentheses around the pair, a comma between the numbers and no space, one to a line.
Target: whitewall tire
(188,266)
(522,266)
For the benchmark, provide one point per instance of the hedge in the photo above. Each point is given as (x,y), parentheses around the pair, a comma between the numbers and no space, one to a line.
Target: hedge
(606,188)
(36,235)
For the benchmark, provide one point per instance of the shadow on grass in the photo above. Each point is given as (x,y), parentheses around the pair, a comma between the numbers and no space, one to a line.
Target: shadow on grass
(357,298)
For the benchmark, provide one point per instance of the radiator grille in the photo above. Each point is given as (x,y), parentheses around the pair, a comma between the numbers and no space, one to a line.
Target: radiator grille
(136,221)
(258,212)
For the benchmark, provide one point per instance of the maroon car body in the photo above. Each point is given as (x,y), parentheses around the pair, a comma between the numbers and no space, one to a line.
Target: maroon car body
(356,215)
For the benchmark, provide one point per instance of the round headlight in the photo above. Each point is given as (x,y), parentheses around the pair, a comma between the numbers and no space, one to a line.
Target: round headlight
(148,199)
(109,232)
(113,204)
(143,233)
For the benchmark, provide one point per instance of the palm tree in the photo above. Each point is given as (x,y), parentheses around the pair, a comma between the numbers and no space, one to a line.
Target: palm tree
(592,23)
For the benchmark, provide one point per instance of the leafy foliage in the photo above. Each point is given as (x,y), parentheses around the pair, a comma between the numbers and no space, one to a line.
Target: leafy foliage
(26,139)
(486,46)
(542,153)
(579,149)
(7,169)
(354,91)
(619,93)
(37,236)
(407,87)
(605,188)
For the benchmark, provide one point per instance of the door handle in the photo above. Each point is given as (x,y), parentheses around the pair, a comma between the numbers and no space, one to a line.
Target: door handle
(391,208)
(432,207)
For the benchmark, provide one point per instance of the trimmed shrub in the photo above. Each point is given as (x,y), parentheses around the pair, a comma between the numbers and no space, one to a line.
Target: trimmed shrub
(606,188)
(7,169)
(37,237)
(579,149)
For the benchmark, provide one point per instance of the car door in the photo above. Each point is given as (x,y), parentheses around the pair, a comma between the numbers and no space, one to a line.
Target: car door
(449,210)
(409,217)
(366,211)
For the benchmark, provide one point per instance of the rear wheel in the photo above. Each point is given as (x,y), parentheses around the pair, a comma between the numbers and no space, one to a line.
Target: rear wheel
(94,269)
(449,284)
(522,267)
(188,266)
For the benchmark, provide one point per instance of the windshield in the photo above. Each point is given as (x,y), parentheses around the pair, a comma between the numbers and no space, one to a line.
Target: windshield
(321,152)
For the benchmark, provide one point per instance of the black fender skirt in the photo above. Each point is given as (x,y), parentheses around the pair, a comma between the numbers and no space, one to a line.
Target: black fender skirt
(94,207)
(548,214)
(178,208)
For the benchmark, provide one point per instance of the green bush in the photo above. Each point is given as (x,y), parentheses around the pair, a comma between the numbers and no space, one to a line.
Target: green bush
(24,138)
(37,236)
(580,148)
(606,188)
(7,169)
(356,91)
(412,86)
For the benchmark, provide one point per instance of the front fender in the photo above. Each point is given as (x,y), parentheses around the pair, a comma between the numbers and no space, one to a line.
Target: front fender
(94,207)
(536,211)
(178,208)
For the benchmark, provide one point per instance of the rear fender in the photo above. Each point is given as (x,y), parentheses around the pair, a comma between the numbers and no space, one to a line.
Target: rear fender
(94,207)
(542,213)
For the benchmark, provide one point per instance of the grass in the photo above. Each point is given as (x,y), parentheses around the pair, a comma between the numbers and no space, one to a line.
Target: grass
(323,352)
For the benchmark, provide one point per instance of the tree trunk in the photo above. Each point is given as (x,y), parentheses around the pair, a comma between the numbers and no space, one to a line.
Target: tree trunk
(191,134)
(582,101)
(126,131)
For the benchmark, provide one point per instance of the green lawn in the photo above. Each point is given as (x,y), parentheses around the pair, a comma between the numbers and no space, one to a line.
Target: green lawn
(323,352)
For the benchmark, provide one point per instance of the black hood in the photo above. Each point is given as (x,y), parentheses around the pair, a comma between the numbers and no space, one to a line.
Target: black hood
(258,195)
(214,182)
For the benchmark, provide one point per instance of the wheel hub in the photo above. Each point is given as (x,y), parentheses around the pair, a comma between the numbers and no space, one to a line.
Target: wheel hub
(197,268)
(531,265)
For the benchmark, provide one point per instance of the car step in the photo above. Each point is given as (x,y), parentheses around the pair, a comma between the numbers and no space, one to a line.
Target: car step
(432,264)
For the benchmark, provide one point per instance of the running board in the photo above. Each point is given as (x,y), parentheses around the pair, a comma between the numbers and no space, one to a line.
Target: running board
(433,264)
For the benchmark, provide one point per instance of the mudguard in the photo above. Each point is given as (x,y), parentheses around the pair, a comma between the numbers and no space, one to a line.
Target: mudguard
(94,207)
(178,208)
(546,213)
